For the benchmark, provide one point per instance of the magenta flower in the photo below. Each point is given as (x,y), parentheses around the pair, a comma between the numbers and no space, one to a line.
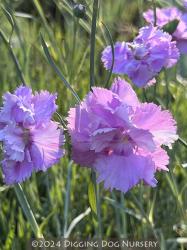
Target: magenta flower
(119,137)
(31,140)
(144,58)
(166,15)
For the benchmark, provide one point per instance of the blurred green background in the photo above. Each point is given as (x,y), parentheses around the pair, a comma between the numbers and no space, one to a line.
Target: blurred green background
(61,194)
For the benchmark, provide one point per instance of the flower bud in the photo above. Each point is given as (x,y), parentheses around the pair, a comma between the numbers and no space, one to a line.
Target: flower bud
(79,10)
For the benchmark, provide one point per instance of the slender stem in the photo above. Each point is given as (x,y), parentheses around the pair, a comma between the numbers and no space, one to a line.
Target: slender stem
(92,82)
(113,55)
(154,10)
(27,210)
(14,58)
(98,205)
(123,216)
(140,7)
(144,94)
(67,197)
(16,62)
(167,89)
(75,22)
(183,142)
(92,41)
(57,70)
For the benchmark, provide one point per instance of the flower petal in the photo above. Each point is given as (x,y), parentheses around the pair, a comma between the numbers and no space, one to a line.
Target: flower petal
(45,149)
(142,138)
(121,52)
(15,172)
(125,91)
(159,157)
(122,173)
(160,123)
(44,106)
(14,144)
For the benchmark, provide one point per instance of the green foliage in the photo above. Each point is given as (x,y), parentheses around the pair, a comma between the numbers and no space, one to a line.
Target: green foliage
(63,190)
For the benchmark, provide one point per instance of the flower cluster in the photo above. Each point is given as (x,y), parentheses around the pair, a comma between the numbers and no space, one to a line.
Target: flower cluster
(167,15)
(111,130)
(31,140)
(120,137)
(143,58)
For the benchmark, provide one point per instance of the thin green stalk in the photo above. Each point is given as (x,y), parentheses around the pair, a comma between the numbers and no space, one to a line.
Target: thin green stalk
(117,215)
(98,205)
(72,73)
(183,142)
(14,58)
(145,215)
(140,7)
(113,55)
(123,216)
(92,42)
(67,197)
(154,11)
(92,82)
(167,89)
(27,210)
(155,89)
(57,70)
(144,94)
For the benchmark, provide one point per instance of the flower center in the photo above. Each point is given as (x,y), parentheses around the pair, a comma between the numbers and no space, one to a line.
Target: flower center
(125,139)
(26,135)
(139,51)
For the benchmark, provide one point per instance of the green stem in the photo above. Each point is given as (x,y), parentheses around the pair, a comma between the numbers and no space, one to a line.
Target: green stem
(27,210)
(98,205)
(123,216)
(167,89)
(144,94)
(75,22)
(183,142)
(92,42)
(113,55)
(14,58)
(92,82)
(154,11)
(67,197)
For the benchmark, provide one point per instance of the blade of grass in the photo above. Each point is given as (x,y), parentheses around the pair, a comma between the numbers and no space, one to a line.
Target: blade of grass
(92,42)
(182,141)
(92,196)
(92,82)
(67,197)
(14,58)
(154,11)
(113,56)
(76,221)
(57,70)
(27,210)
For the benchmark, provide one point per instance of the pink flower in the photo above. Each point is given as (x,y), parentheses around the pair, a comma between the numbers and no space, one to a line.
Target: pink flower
(150,52)
(31,140)
(167,15)
(119,137)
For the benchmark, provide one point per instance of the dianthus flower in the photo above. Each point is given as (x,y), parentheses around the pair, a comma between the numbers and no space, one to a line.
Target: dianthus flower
(185,4)
(167,15)
(119,137)
(31,140)
(143,58)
